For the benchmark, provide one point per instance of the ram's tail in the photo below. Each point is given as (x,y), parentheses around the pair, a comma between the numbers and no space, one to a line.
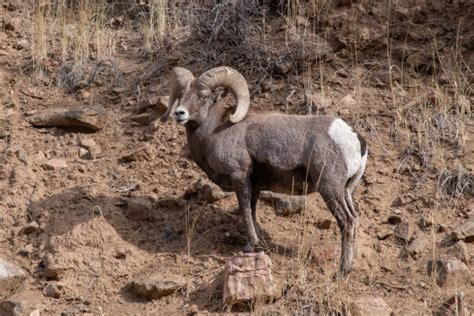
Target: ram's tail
(355,179)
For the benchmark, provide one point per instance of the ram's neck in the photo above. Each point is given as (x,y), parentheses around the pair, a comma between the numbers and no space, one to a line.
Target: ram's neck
(198,136)
(214,118)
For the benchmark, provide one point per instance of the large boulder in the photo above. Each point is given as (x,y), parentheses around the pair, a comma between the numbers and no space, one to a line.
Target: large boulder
(12,278)
(284,205)
(140,208)
(204,191)
(465,231)
(91,119)
(449,272)
(248,278)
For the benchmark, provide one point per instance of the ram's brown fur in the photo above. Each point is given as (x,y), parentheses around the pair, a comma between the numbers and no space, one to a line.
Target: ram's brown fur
(269,151)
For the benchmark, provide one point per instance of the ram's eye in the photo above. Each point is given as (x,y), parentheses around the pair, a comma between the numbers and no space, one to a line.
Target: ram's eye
(204,93)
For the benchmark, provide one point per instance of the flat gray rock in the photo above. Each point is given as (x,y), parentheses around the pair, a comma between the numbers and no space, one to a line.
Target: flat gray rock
(155,285)
(12,278)
(284,205)
(91,119)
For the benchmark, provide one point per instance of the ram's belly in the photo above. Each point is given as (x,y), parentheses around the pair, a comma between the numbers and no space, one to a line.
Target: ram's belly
(294,181)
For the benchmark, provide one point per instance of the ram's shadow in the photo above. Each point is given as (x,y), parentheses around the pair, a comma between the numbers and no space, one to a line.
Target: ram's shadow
(171,226)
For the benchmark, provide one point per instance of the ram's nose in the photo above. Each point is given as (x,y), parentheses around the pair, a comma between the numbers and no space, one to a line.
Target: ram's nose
(181,115)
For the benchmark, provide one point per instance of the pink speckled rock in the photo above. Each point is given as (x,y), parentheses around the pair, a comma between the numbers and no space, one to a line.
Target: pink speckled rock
(248,277)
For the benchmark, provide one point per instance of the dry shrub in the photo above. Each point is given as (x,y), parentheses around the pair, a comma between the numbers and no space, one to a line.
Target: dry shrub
(76,35)
(456,183)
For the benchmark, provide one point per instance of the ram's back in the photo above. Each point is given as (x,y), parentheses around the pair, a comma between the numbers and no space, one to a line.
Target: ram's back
(287,140)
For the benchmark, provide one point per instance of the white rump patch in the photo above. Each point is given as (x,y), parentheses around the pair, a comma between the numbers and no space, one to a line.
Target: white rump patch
(343,135)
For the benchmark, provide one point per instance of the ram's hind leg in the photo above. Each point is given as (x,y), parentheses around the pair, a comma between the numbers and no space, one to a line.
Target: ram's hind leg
(350,187)
(346,221)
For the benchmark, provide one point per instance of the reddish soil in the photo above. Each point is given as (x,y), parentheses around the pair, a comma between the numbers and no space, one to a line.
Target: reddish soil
(87,241)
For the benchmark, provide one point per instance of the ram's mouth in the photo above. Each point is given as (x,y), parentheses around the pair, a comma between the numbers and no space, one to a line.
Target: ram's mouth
(182,121)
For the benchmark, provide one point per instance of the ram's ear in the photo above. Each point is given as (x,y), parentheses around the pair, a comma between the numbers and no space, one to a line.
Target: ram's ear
(170,109)
(180,80)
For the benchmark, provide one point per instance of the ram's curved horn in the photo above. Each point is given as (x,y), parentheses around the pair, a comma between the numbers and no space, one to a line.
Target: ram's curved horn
(179,82)
(231,79)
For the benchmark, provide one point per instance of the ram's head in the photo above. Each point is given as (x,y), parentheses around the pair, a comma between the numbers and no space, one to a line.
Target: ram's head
(189,96)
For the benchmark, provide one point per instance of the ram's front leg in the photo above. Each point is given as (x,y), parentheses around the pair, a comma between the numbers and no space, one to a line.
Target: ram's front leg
(244,195)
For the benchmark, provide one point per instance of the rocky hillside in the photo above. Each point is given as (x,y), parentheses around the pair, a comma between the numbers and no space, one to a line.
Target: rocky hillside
(103,212)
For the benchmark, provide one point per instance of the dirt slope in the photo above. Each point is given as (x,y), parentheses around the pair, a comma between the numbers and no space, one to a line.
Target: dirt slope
(416,118)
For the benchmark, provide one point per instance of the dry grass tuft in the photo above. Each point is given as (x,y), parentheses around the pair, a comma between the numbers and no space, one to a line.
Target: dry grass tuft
(76,35)
(456,183)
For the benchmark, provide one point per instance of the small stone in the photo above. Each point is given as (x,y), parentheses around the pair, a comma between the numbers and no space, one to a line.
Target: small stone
(87,142)
(348,101)
(54,267)
(448,272)
(324,258)
(29,228)
(459,251)
(10,25)
(370,306)
(282,68)
(284,205)
(204,191)
(416,247)
(402,200)
(22,44)
(465,231)
(158,103)
(156,285)
(17,308)
(154,125)
(426,222)
(342,73)
(54,164)
(26,250)
(154,88)
(324,224)
(93,149)
(54,289)
(36,312)
(119,90)
(455,305)
(10,308)
(12,278)
(394,219)
(85,95)
(142,119)
(404,231)
(23,156)
(234,238)
(170,202)
(144,153)
(84,153)
(417,61)
(140,208)
(248,278)
(384,233)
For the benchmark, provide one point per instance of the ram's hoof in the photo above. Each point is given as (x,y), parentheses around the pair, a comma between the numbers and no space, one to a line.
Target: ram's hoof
(249,248)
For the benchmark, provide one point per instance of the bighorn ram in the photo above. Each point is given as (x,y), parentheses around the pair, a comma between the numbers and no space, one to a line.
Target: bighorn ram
(250,152)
